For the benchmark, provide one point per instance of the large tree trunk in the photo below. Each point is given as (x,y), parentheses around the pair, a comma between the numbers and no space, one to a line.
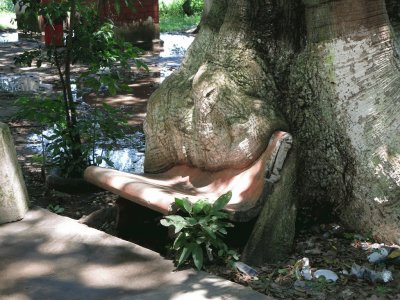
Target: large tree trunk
(346,85)
(214,113)
(326,71)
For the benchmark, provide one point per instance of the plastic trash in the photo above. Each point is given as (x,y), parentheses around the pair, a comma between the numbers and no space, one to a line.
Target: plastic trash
(378,256)
(368,246)
(328,274)
(368,274)
(394,256)
(303,269)
(246,269)
(385,254)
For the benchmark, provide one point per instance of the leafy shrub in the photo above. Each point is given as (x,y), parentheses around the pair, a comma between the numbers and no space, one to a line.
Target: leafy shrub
(98,126)
(174,8)
(201,231)
(6,6)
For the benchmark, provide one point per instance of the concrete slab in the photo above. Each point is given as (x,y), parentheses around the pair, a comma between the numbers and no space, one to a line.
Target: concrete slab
(46,256)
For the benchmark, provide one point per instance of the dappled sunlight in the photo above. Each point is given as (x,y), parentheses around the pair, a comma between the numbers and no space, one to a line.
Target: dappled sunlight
(105,275)
(389,164)
(53,257)
(9,37)
(26,269)
(16,296)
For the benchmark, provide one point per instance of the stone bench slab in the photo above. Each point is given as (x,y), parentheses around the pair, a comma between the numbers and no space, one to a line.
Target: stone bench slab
(158,191)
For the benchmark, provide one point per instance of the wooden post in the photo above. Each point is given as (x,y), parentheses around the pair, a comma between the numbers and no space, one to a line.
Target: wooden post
(13,193)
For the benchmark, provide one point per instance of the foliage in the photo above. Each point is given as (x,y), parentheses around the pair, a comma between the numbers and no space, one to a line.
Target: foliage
(90,41)
(55,208)
(99,126)
(173,18)
(201,231)
(177,23)
(6,6)
(174,8)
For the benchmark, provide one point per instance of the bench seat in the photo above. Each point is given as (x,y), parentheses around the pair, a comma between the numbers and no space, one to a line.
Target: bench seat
(158,191)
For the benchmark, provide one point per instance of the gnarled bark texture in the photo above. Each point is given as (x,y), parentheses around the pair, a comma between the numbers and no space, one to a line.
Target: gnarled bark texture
(326,71)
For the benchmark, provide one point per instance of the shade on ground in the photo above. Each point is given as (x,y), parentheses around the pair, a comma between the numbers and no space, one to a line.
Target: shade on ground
(46,256)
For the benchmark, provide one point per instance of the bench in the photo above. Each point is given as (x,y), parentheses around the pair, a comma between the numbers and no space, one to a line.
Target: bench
(249,186)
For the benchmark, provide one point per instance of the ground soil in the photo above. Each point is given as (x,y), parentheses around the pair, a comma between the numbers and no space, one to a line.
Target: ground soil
(326,247)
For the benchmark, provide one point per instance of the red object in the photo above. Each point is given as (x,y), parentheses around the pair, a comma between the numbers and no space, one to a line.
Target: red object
(143,10)
(54,35)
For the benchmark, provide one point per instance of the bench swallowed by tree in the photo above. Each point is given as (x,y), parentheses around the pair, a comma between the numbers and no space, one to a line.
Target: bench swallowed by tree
(250,186)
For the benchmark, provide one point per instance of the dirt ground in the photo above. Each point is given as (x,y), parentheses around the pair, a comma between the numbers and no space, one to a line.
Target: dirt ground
(326,246)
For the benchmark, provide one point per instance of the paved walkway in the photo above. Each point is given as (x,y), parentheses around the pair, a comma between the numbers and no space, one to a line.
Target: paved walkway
(46,256)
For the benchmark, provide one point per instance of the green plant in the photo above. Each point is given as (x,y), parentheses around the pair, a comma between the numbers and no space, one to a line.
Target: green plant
(6,6)
(177,23)
(381,289)
(201,231)
(90,41)
(174,8)
(100,127)
(173,18)
(55,208)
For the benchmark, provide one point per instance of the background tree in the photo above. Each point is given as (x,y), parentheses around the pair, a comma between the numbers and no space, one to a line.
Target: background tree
(325,71)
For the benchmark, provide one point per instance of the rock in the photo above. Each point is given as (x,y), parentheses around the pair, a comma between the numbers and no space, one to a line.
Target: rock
(13,193)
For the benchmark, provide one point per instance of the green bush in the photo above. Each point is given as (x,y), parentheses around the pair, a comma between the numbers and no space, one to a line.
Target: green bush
(99,127)
(6,6)
(201,231)
(91,42)
(175,8)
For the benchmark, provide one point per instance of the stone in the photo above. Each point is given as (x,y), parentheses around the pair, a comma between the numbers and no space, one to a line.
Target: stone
(13,193)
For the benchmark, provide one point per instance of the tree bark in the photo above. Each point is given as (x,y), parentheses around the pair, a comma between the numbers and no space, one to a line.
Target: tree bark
(345,83)
(215,104)
(325,71)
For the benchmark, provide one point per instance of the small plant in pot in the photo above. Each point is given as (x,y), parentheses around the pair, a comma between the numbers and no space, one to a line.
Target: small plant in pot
(72,133)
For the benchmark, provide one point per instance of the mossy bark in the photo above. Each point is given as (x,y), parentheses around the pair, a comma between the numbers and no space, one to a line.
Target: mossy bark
(273,232)
(353,161)
(326,71)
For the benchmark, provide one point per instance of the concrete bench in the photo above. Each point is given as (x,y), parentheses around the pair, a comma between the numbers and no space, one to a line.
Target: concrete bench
(249,186)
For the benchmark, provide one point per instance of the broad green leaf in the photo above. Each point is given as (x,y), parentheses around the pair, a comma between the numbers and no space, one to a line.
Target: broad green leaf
(175,218)
(198,206)
(184,203)
(222,230)
(179,226)
(207,207)
(197,255)
(209,231)
(222,201)
(201,240)
(179,203)
(179,241)
(166,222)
(191,221)
(184,255)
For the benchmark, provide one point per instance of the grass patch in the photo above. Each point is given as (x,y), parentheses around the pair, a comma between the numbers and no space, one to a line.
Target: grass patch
(6,21)
(178,23)
(173,18)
